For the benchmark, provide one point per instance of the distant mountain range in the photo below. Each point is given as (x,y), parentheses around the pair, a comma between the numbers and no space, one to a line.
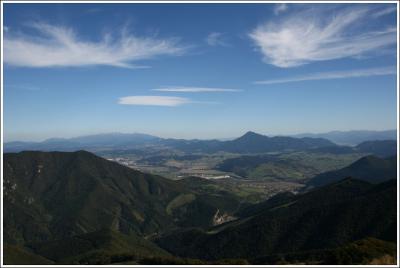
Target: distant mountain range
(95,142)
(352,137)
(382,148)
(250,142)
(77,208)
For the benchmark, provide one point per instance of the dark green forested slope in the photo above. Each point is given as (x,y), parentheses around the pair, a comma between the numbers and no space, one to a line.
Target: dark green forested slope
(370,168)
(77,208)
(328,217)
(367,251)
(19,255)
(55,197)
(100,247)
(382,148)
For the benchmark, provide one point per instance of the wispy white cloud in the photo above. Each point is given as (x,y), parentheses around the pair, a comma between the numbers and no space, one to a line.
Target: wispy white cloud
(195,89)
(332,75)
(280,8)
(154,101)
(315,34)
(216,39)
(384,11)
(54,46)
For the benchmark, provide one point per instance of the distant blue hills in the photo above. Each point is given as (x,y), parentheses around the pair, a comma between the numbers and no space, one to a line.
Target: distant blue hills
(381,143)
(353,137)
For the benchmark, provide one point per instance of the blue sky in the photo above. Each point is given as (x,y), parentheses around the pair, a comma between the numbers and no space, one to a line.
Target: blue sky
(197,70)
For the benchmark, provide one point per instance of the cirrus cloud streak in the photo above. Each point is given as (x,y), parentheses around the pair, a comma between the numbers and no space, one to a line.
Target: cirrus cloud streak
(332,75)
(320,34)
(57,46)
(195,89)
(154,101)
(216,39)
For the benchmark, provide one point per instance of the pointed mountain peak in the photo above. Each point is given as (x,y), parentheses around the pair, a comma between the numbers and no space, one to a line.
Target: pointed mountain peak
(252,137)
(251,134)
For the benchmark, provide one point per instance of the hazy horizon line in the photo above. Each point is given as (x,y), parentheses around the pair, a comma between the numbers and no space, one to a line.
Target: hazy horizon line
(194,138)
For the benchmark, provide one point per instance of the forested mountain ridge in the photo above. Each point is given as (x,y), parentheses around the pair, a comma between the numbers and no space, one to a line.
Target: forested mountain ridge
(326,217)
(56,195)
(370,168)
(78,208)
